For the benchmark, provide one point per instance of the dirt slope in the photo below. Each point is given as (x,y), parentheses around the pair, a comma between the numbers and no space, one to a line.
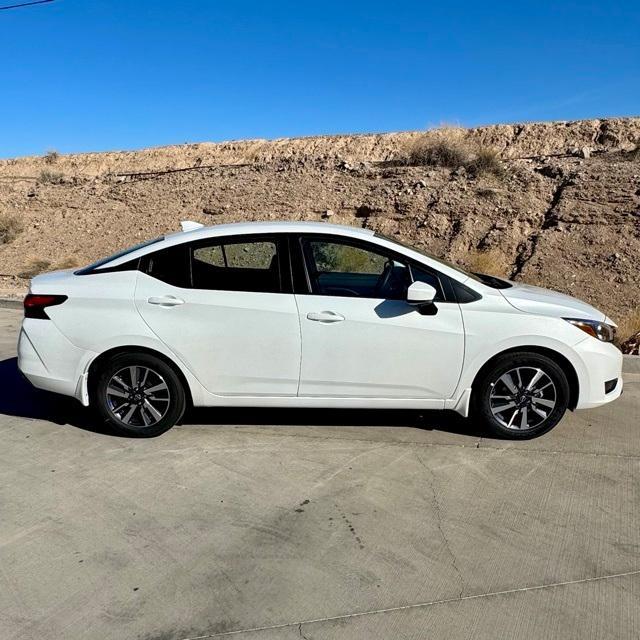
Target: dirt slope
(565,214)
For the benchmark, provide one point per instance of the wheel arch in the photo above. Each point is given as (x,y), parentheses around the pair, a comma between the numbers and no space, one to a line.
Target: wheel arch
(558,358)
(97,362)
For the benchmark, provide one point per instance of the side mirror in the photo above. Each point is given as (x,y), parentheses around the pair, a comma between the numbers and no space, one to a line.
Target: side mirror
(420,293)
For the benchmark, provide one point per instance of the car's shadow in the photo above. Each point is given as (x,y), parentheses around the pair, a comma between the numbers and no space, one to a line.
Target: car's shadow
(19,398)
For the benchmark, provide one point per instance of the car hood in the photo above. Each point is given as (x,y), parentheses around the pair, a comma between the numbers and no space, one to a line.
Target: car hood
(545,302)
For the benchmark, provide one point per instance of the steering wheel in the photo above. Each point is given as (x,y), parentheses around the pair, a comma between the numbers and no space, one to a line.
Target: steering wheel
(384,278)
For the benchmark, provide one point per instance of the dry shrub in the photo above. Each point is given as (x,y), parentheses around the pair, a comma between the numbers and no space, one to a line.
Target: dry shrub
(485,161)
(437,153)
(50,177)
(443,147)
(254,152)
(490,261)
(486,193)
(33,268)
(449,148)
(635,154)
(628,326)
(67,263)
(51,157)
(10,227)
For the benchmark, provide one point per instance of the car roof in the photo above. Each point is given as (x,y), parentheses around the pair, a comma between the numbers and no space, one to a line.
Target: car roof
(241,228)
(236,229)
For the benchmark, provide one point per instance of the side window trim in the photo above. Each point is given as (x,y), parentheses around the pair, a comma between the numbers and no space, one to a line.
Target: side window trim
(303,262)
(287,264)
(224,255)
(298,269)
(306,254)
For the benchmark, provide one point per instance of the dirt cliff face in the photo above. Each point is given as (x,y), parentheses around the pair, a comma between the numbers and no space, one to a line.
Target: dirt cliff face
(564,213)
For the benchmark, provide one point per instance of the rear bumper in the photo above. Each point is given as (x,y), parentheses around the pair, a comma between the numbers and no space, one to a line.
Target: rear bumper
(50,361)
(600,362)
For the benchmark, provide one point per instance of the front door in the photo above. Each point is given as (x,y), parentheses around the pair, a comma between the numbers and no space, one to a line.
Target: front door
(360,338)
(219,305)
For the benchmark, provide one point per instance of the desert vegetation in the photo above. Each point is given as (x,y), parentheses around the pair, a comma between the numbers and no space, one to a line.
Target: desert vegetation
(493,262)
(33,267)
(629,325)
(635,153)
(46,176)
(51,157)
(36,266)
(487,193)
(10,227)
(67,263)
(451,148)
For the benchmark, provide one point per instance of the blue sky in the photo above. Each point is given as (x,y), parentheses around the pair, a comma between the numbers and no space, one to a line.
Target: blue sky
(95,74)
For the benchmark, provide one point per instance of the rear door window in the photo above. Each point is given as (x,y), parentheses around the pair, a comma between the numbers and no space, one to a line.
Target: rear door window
(240,264)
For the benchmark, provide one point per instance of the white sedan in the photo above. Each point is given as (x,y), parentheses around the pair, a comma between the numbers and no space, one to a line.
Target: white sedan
(310,315)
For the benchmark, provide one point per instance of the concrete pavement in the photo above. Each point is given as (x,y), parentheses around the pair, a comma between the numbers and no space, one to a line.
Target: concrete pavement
(314,524)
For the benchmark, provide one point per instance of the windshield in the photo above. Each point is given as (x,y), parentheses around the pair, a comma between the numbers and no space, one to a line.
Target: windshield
(489,281)
(115,256)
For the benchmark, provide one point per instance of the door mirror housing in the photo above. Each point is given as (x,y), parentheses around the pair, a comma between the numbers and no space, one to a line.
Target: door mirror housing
(420,293)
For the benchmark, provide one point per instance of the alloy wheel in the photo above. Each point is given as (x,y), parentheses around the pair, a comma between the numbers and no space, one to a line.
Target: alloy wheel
(522,398)
(138,396)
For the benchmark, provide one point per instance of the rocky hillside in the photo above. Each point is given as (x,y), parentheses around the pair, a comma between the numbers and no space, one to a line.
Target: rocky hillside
(556,204)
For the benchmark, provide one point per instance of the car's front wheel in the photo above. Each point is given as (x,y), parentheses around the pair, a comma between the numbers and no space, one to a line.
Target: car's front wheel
(139,394)
(520,395)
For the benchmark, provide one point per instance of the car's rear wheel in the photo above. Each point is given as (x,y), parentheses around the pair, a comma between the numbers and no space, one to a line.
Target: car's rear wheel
(520,396)
(139,394)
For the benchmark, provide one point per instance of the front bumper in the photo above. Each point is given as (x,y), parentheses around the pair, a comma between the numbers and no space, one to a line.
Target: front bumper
(600,362)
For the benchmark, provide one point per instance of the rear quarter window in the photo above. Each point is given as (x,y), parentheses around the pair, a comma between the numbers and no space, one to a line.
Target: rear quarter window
(170,265)
(127,266)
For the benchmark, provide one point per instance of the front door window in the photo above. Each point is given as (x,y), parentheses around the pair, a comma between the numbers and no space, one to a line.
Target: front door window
(344,269)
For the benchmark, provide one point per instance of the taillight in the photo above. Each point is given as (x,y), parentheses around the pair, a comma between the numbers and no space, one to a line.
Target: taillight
(35,305)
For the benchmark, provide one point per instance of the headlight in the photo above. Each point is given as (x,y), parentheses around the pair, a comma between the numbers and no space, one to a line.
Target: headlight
(599,330)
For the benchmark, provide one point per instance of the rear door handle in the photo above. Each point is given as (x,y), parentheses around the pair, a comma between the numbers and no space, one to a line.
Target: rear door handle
(325,316)
(165,301)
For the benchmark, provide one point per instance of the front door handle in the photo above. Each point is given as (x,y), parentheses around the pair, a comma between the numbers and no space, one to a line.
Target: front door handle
(325,316)
(165,301)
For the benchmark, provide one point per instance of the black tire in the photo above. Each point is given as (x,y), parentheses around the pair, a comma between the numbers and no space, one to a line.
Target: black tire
(494,387)
(156,406)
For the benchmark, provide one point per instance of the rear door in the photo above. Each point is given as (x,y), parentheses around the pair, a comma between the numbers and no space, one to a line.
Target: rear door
(360,338)
(226,308)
